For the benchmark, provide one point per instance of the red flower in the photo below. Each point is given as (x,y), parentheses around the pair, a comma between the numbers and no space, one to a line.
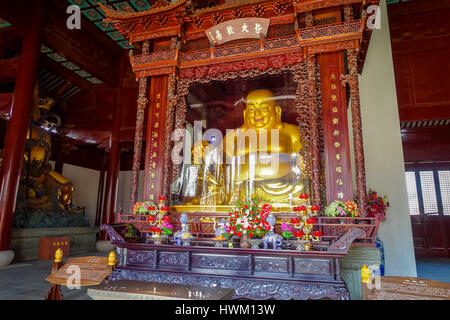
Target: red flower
(162,198)
(234,228)
(164,208)
(166,218)
(295,221)
(302,208)
(152,208)
(315,208)
(238,234)
(151,218)
(311,221)
(299,234)
(304,196)
(250,235)
(317,234)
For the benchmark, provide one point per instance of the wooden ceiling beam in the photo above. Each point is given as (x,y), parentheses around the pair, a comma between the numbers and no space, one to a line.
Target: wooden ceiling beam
(88,47)
(65,73)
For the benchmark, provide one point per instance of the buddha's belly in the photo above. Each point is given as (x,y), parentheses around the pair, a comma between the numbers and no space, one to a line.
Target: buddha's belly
(260,168)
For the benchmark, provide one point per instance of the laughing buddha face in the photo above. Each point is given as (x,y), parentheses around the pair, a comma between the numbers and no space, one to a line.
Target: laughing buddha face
(261,110)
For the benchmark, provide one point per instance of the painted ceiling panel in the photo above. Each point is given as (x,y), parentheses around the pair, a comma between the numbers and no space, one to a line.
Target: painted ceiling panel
(4,24)
(68,64)
(91,11)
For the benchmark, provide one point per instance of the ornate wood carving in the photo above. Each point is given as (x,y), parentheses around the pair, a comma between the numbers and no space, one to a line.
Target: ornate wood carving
(170,118)
(249,288)
(301,6)
(343,244)
(280,6)
(314,133)
(279,265)
(315,267)
(141,105)
(219,262)
(113,235)
(172,259)
(140,257)
(352,80)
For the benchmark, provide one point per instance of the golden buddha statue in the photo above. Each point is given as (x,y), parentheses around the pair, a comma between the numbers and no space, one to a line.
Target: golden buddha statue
(40,186)
(258,159)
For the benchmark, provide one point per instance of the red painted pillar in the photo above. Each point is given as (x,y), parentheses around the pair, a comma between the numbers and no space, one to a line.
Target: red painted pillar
(18,125)
(112,171)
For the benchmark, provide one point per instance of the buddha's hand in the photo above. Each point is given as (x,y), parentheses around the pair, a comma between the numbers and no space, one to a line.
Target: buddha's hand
(198,151)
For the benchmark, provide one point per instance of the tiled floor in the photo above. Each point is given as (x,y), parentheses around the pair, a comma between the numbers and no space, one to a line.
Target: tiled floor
(434,269)
(26,281)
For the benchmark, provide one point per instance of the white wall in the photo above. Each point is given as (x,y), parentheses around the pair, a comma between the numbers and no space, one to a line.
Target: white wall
(124,189)
(85,182)
(383,149)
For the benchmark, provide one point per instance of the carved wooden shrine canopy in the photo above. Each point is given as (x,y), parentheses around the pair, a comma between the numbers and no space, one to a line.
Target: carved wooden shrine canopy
(322,42)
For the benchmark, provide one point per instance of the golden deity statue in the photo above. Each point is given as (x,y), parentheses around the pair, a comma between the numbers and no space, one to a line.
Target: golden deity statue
(40,187)
(258,159)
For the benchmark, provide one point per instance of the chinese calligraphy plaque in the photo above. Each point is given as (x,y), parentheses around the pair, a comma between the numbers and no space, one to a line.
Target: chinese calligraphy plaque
(245,28)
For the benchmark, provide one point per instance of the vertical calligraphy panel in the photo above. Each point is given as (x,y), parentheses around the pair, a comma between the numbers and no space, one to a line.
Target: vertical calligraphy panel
(154,153)
(335,128)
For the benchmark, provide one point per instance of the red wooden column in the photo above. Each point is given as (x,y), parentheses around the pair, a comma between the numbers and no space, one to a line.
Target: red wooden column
(156,125)
(113,168)
(18,125)
(335,128)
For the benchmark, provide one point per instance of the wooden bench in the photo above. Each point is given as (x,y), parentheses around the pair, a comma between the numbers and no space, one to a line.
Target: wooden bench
(404,288)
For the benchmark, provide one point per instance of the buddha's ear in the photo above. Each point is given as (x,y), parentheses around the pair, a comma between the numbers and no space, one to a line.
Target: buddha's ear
(244,113)
(278,112)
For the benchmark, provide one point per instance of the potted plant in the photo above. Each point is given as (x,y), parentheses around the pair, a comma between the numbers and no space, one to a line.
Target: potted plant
(377,205)
(287,232)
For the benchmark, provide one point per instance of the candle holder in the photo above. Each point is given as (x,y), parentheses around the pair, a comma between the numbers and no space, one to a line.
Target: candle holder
(160,228)
(304,223)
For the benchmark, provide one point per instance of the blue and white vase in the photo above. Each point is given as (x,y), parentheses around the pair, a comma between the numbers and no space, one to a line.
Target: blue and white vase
(380,246)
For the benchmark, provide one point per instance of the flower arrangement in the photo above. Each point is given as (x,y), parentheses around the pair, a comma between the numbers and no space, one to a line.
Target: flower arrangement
(351,208)
(377,205)
(287,230)
(145,208)
(347,208)
(155,230)
(166,227)
(335,209)
(249,219)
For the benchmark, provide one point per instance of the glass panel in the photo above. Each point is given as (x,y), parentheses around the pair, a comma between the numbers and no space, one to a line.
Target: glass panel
(444,182)
(428,192)
(411,189)
(242,140)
